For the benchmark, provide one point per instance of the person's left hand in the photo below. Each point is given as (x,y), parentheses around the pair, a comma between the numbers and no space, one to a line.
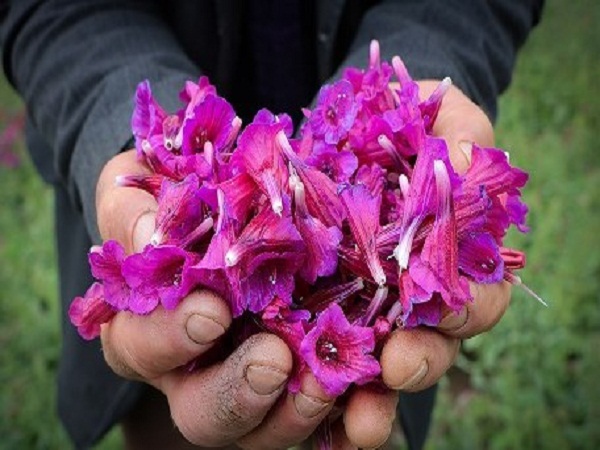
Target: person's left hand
(415,359)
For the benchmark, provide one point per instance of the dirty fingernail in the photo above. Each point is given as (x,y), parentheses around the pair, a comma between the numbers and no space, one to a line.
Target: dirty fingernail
(203,330)
(453,321)
(307,406)
(416,378)
(265,380)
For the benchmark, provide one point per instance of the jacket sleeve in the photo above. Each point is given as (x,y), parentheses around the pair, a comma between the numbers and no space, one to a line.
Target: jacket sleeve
(474,42)
(76,64)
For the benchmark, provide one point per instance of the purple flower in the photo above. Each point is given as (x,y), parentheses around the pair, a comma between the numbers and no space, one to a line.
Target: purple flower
(420,200)
(158,274)
(335,112)
(87,313)
(321,241)
(338,165)
(490,170)
(259,154)
(338,353)
(106,263)
(289,324)
(148,116)
(362,210)
(479,258)
(210,121)
(180,210)
(322,198)
(440,250)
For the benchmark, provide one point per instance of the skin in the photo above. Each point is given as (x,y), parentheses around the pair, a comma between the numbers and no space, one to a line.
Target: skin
(243,399)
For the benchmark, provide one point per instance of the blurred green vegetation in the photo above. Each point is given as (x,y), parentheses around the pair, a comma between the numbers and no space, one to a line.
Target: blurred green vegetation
(531,383)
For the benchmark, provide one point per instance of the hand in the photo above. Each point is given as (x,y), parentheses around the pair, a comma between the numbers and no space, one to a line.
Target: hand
(231,401)
(413,360)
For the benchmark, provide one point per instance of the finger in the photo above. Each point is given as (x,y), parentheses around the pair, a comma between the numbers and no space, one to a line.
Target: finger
(145,347)
(124,214)
(490,302)
(369,416)
(460,122)
(412,360)
(220,404)
(339,439)
(293,420)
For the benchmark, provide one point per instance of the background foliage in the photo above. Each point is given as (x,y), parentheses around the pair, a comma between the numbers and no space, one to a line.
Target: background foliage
(532,383)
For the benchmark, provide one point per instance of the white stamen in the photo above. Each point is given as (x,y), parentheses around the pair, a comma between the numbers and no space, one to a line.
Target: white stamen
(516,281)
(386,143)
(402,250)
(221,207)
(400,69)
(231,257)
(146,147)
(156,238)
(404,185)
(209,153)
(120,180)
(374,54)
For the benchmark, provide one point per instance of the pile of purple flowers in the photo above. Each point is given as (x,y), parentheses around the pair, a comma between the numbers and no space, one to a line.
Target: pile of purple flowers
(331,239)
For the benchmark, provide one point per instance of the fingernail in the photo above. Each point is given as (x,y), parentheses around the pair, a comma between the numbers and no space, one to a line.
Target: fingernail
(143,230)
(203,330)
(265,380)
(307,406)
(466,147)
(416,378)
(453,321)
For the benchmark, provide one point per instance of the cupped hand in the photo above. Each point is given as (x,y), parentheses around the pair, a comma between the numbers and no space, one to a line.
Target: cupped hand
(236,400)
(415,359)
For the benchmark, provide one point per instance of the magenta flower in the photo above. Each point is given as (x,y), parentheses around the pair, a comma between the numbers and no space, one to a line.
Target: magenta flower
(289,324)
(420,200)
(491,171)
(362,210)
(106,264)
(158,274)
(180,210)
(339,353)
(335,112)
(322,198)
(321,241)
(87,313)
(440,250)
(479,258)
(259,154)
(211,121)
(330,240)
(194,93)
(147,119)
(338,165)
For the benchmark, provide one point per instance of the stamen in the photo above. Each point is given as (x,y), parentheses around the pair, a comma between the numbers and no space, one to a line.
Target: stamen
(515,280)
(157,238)
(402,250)
(375,306)
(404,185)
(374,55)
(232,257)
(273,192)
(400,70)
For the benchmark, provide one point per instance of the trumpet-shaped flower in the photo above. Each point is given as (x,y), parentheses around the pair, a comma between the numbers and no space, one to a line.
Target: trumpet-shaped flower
(339,353)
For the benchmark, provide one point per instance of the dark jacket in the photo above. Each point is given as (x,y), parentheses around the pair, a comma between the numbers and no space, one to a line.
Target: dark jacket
(76,64)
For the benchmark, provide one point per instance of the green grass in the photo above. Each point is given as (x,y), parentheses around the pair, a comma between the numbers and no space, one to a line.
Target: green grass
(531,383)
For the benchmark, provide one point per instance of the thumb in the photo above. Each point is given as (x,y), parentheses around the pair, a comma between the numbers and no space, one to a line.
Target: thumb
(124,214)
(461,123)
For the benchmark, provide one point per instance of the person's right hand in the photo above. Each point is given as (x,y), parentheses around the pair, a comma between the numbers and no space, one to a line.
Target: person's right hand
(235,400)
